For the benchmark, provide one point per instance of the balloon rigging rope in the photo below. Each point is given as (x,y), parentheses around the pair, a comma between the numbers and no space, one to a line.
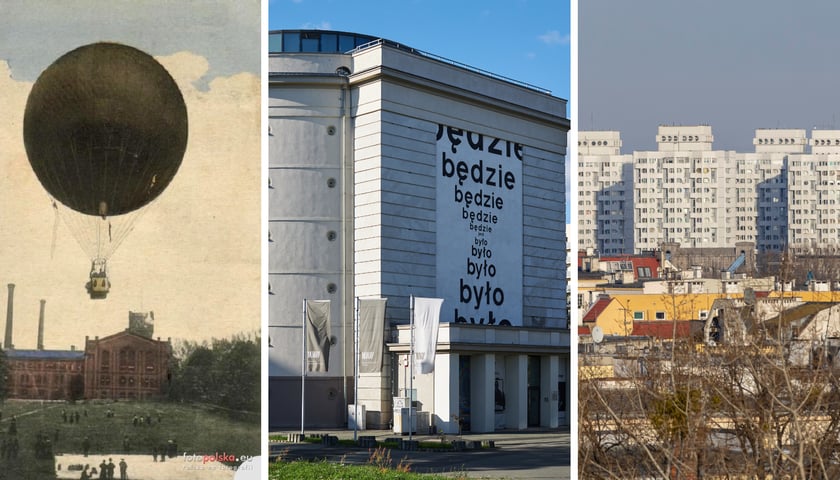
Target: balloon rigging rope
(54,231)
(97,237)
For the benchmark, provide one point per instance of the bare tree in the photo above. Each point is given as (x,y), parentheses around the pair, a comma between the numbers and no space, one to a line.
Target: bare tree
(742,409)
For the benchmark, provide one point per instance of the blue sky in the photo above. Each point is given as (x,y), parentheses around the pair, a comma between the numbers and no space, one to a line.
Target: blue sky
(527,40)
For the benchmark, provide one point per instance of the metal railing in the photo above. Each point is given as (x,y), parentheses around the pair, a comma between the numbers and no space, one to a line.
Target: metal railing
(405,48)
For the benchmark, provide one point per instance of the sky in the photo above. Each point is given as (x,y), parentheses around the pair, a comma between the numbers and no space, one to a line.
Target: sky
(526,40)
(194,256)
(737,66)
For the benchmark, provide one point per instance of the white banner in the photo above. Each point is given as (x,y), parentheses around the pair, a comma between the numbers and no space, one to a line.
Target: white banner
(426,321)
(479,227)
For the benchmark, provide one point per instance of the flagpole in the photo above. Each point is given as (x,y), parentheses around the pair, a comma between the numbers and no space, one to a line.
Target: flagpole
(356,369)
(411,367)
(303,370)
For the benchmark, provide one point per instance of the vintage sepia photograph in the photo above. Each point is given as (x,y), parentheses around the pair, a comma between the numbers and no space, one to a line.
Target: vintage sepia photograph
(130,200)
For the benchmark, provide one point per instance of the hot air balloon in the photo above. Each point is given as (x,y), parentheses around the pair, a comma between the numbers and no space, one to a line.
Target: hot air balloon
(105,130)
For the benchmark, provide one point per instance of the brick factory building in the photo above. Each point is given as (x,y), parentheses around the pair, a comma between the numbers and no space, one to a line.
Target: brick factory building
(127,365)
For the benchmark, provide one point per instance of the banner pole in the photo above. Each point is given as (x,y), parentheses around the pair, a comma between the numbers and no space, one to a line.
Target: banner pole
(356,370)
(303,370)
(411,368)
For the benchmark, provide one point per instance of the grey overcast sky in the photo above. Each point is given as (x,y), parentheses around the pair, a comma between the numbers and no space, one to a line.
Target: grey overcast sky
(194,256)
(734,65)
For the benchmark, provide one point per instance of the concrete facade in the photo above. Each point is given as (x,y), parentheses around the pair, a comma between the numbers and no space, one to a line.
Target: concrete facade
(391,127)
(605,194)
(686,192)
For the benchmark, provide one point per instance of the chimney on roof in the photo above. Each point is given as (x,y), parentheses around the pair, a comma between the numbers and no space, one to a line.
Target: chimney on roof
(7,343)
(41,326)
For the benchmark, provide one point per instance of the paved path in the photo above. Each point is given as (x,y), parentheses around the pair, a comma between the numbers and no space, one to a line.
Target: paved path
(142,467)
(533,455)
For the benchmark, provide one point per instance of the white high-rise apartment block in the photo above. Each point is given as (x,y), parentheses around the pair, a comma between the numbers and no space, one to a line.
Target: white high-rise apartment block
(605,193)
(757,188)
(686,192)
(814,196)
(679,190)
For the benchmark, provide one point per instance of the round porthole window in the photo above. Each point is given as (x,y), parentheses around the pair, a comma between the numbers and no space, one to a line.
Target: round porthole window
(331,235)
(331,288)
(331,182)
(330,130)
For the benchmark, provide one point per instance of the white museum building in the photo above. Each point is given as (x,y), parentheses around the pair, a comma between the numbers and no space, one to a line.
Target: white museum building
(395,173)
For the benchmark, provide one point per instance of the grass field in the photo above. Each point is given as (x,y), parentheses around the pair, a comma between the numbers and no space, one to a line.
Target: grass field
(301,470)
(380,465)
(196,429)
(324,470)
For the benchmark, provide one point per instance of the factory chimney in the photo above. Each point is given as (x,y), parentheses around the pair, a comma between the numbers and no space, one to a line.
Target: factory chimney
(7,343)
(41,326)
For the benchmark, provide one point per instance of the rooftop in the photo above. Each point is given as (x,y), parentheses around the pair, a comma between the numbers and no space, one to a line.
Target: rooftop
(45,354)
(329,41)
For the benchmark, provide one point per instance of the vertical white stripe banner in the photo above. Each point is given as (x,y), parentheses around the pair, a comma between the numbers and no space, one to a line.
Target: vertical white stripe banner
(318,338)
(426,321)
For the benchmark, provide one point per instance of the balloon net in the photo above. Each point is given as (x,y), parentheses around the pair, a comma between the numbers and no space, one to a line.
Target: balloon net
(99,237)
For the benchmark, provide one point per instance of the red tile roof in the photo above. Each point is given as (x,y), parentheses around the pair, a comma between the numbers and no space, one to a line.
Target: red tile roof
(644,261)
(596,309)
(662,329)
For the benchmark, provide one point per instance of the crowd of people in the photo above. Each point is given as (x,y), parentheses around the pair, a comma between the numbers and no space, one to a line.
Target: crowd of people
(44,444)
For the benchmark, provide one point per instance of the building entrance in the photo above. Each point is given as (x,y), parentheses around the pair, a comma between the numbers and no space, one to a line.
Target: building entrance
(533,391)
(533,406)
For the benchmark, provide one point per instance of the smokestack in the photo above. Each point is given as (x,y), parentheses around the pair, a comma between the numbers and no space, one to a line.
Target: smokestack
(7,343)
(41,326)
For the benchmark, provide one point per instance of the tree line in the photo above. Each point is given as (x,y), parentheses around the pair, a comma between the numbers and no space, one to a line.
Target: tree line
(222,372)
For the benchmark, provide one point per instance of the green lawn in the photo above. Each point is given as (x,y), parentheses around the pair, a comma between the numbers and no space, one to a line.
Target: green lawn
(380,465)
(302,470)
(195,429)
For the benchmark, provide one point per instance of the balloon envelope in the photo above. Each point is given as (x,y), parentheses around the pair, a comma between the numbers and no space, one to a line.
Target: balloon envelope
(105,129)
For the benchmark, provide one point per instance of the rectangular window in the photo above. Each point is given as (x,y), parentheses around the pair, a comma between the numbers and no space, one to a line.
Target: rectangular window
(329,42)
(275,43)
(660,315)
(346,43)
(291,42)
